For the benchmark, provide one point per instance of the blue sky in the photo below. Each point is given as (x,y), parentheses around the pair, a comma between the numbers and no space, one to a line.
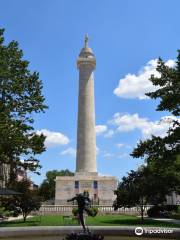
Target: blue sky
(126,37)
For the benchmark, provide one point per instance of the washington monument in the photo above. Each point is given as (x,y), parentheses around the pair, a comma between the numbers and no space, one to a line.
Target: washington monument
(86,136)
(99,187)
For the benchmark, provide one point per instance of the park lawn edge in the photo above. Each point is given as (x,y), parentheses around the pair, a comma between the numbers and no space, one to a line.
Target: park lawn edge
(104,220)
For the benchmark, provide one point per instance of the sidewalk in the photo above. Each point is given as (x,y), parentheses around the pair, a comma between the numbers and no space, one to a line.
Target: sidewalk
(9,219)
(128,231)
(169,220)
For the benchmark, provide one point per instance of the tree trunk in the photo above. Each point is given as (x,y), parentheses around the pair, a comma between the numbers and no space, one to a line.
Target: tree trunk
(24,217)
(142,213)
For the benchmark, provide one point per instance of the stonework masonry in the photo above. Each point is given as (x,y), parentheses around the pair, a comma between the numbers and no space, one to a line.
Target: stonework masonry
(86,136)
(100,188)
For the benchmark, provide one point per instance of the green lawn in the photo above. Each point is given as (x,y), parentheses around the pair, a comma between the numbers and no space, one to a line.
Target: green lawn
(108,220)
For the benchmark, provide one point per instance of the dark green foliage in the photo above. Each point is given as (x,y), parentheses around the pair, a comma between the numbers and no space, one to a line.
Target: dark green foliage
(162,155)
(169,83)
(20,97)
(92,211)
(75,211)
(25,203)
(47,187)
(162,210)
(161,175)
(133,190)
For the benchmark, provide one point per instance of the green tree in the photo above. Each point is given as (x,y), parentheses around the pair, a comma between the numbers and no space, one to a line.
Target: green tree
(162,154)
(133,191)
(20,97)
(168,87)
(25,203)
(47,187)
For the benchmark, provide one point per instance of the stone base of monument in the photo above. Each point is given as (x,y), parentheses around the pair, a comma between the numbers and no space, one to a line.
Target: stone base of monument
(83,236)
(65,187)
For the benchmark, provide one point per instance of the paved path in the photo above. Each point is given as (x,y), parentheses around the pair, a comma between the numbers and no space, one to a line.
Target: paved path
(169,220)
(10,219)
(16,218)
(18,232)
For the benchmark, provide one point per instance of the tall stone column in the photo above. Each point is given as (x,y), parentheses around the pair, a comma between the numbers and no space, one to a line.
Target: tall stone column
(86,136)
(86,177)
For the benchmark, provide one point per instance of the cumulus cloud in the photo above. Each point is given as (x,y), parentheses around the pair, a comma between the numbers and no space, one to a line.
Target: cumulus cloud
(104,131)
(107,155)
(136,85)
(69,151)
(109,133)
(120,145)
(100,129)
(53,138)
(130,122)
(123,155)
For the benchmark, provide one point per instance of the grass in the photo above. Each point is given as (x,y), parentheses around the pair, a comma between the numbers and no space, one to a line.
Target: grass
(175,216)
(107,220)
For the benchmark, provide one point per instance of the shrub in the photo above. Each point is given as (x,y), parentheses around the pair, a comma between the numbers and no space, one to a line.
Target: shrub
(154,211)
(171,208)
(93,211)
(161,211)
(75,211)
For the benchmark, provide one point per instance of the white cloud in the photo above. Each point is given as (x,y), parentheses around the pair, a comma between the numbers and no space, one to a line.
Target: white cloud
(53,138)
(69,151)
(128,122)
(108,155)
(136,85)
(100,129)
(103,130)
(120,145)
(123,155)
(159,128)
(109,133)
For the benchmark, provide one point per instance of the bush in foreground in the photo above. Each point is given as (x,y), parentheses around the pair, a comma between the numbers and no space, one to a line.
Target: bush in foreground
(162,210)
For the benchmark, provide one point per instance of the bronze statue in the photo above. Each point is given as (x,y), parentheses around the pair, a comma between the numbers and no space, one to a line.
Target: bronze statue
(84,204)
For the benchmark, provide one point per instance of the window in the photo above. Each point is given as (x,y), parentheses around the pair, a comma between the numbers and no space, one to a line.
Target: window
(95,184)
(76,184)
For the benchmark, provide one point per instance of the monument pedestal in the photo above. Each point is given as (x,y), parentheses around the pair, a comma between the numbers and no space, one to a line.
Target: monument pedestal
(100,188)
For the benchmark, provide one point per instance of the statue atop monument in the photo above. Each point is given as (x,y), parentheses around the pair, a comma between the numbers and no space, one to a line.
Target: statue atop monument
(86,41)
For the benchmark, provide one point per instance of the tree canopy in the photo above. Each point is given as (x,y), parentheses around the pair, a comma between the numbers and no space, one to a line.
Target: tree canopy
(162,154)
(133,190)
(20,97)
(47,187)
(168,87)
(25,203)
(160,175)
